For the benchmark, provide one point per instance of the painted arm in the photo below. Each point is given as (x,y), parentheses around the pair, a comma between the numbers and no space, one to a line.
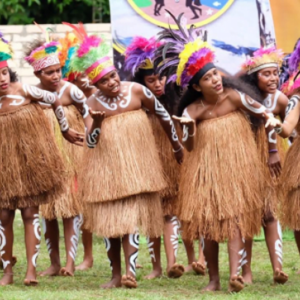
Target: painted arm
(189,130)
(36,94)
(254,108)
(150,102)
(291,120)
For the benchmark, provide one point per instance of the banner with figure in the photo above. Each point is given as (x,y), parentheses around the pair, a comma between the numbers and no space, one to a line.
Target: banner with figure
(236,28)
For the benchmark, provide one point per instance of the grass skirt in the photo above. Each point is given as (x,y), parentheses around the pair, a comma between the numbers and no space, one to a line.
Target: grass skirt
(31,169)
(220,187)
(122,177)
(68,204)
(171,168)
(289,188)
(271,201)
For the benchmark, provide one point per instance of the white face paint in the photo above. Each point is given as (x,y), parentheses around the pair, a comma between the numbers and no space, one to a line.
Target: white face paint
(37,234)
(134,242)
(113,103)
(77,222)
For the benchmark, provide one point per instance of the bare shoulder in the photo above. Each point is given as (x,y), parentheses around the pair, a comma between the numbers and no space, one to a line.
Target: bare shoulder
(283,100)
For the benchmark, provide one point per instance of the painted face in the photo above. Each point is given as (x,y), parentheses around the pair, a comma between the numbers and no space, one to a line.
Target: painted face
(110,84)
(82,82)
(4,79)
(211,82)
(155,84)
(268,80)
(50,77)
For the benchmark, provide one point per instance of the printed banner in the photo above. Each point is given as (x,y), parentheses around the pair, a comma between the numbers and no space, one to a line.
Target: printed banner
(235,28)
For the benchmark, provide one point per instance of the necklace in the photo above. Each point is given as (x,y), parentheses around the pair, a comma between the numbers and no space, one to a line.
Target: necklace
(213,107)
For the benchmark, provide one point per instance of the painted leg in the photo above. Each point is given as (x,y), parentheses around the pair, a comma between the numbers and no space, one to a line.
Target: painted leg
(130,244)
(6,244)
(211,253)
(51,233)
(297,238)
(171,233)
(237,257)
(246,268)
(88,260)
(31,221)
(273,236)
(199,266)
(71,232)
(190,252)
(154,251)
(113,249)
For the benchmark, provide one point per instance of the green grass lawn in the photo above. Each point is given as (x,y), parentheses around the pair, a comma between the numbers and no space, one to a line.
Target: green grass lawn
(85,285)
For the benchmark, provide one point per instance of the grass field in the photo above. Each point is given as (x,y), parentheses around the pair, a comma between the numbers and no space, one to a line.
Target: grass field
(85,285)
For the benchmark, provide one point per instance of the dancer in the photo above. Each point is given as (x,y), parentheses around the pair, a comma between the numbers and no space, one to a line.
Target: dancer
(45,60)
(220,188)
(189,3)
(289,187)
(263,76)
(125,158)
(139,57)
(158,6)
(31,167)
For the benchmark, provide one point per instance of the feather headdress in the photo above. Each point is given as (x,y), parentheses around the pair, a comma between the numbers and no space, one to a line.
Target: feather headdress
(91,55)
(68,48)
(45,55)
(140,54)
(6,51)
(185,55)
(265,57)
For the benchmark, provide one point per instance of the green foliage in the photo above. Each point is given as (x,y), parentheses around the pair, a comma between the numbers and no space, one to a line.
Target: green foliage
(53,11)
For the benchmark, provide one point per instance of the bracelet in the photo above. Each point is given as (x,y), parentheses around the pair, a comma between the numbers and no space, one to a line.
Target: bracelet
(278,130)
(175,151)
(273,151)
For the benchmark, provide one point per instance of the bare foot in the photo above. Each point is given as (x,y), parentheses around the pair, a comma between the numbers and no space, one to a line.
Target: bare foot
(66,272)
(236,284)
(7,279)
(138,266)
(114,283)
(53,270)
(188,268)
(247,278)
(30,282)
(280,277)
(154,274)
(85,265)
(129,281)
(176,271)
(213,285)
(199,268)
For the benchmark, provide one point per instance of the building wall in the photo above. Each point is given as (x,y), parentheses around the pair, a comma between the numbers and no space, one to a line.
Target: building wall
(20,35)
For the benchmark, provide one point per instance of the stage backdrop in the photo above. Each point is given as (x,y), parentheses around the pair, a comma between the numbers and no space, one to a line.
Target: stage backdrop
(235,28)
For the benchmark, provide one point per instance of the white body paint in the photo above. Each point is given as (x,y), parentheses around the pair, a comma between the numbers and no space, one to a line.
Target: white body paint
(48,242)
(2,245)
(77,222)
(278,244)
(248,104)
(174,236)
(107,247)
(134,242)
(37,233)
(151,249)
(92,138)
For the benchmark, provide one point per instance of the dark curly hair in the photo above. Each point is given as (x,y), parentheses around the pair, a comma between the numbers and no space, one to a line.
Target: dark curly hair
(169,100)
(191,95)
(13,75)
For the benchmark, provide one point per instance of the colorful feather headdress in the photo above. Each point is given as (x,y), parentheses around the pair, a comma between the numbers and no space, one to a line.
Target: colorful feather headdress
(140,54)
(265,57)
(294,65)
(6,51)
(68,48)
(186,57)
(45,55)
(91,55)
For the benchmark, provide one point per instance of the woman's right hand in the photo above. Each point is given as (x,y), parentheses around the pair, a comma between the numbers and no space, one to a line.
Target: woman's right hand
(190,123)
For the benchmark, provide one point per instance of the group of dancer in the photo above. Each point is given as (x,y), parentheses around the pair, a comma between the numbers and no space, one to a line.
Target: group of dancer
(106,156)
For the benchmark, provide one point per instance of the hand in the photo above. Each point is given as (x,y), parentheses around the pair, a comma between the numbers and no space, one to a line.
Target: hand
(73,137)
(190,123)
(271,121)
(97,116)
(179,155)
(274,164)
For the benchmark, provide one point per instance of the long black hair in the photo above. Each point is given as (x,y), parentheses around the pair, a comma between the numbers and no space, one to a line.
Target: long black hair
(191,95)
(13,75)
(169,99)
